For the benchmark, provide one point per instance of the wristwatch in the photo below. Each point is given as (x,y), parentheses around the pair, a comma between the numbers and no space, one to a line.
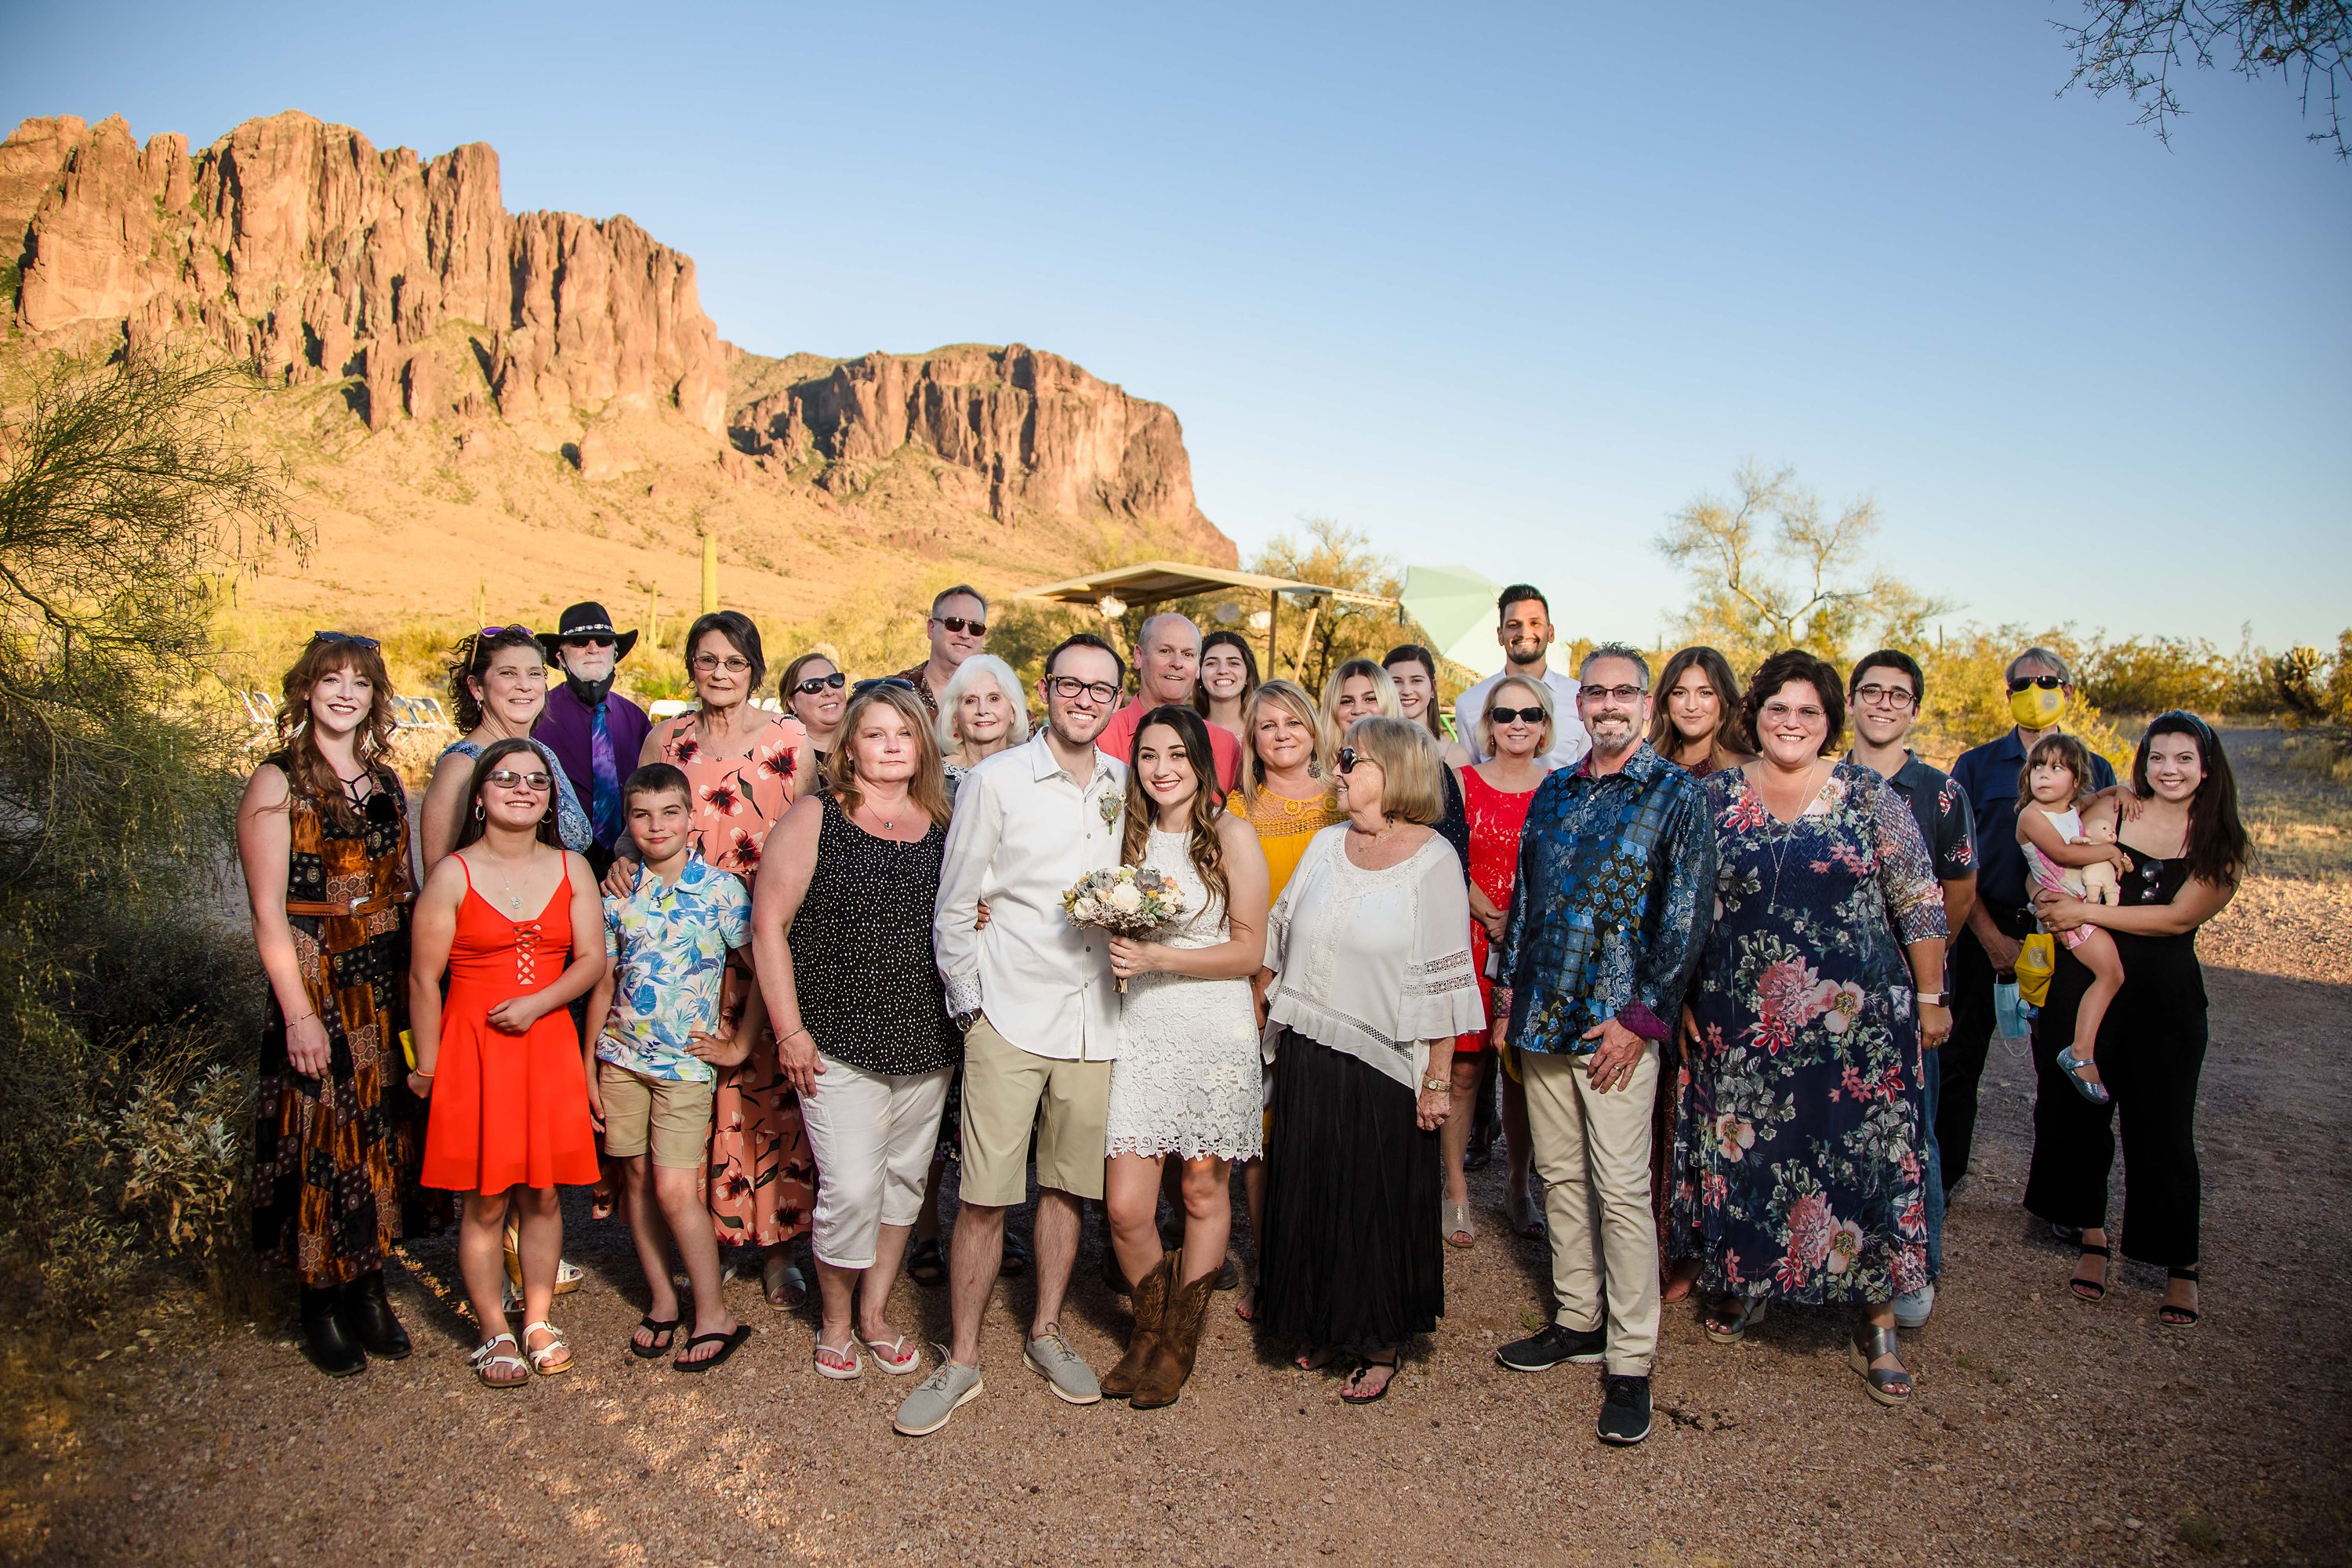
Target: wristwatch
(1434,1085)
(1933,998)
(964,1021)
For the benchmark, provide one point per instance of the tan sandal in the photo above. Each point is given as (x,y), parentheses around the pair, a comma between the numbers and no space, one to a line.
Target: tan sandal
(539,1357)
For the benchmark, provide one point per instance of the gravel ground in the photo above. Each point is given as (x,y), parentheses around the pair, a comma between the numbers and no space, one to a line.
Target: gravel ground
(2041,1428)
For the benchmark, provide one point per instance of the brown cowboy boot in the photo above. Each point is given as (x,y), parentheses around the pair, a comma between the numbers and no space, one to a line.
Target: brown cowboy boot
(1150,1299)
(1180,1342)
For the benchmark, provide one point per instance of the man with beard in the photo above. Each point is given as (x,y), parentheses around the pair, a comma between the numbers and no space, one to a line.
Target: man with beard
(1526,633)
(1033,993)
(1616,890)
(595,732)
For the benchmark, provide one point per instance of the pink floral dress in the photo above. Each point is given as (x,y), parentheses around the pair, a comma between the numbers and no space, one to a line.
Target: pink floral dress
(1799,1169)
(762,1176)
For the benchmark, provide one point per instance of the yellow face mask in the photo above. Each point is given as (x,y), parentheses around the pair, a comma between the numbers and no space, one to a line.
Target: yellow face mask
(2034,709)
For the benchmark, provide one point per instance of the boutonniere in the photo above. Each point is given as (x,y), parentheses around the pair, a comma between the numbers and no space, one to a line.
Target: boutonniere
(1110,806)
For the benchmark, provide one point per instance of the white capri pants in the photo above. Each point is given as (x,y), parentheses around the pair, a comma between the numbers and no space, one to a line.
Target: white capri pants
(873,1135)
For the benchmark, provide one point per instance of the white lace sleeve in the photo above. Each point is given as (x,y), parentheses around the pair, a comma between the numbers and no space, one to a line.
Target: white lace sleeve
(1441,987)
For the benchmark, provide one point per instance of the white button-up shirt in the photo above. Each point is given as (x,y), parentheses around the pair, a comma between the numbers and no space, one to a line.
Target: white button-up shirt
(1569,741)
(1024,832)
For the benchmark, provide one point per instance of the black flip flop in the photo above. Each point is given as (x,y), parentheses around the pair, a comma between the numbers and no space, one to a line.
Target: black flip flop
(925,1267)
(1362,1366)
(731,1343)
(659,1326)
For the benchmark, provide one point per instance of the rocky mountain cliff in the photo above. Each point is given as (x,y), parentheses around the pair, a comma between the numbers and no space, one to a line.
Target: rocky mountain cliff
(399,294)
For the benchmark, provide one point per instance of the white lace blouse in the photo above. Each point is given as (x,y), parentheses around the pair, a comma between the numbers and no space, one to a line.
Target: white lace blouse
(1373,963)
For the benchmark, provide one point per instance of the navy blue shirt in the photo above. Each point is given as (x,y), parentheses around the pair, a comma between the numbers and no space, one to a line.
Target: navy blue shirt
(1988,775)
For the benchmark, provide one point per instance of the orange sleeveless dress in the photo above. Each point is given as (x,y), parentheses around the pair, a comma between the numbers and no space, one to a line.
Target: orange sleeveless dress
(508,1110)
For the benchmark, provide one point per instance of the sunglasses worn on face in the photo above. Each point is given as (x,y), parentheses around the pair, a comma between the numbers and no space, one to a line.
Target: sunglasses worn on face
(354,638)
(1516,715)
(962,627)
(507,778)
(1347,758)
(2018,683)
(816,683)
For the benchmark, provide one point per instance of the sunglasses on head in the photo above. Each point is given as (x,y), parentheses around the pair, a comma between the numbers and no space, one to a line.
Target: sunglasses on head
(961,627)
(878,683)
(508,778)
(354,638)
(1516,715)
(498,631)
(816,683)
(2018,683)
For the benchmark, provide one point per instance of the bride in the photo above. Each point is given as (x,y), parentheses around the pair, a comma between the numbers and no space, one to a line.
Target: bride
(1186,1078)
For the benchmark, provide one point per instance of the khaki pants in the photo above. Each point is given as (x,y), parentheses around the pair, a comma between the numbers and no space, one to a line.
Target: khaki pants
(1592,1153)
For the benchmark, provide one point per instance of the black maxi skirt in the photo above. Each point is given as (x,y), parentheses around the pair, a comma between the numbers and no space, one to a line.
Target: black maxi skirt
(1352,1260)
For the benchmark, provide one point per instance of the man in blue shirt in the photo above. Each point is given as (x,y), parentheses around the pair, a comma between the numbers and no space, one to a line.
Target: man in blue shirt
(2041,691)
(1615,893)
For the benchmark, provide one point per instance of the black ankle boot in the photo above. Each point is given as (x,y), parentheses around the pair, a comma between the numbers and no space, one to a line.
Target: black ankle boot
(368,1314)
(333,1349)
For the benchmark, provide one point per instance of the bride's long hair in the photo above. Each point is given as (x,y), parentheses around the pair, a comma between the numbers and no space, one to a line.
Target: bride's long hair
(1207,854)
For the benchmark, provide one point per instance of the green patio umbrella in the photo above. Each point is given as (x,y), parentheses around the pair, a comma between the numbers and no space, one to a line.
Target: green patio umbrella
(1456,607)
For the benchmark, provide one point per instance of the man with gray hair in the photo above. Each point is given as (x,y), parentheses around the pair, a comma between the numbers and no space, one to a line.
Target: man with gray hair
(1615,894)
(2041,694)
(1167,669)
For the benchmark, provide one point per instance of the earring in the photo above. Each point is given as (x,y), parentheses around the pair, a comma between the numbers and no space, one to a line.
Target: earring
(1314,768)
(478,811)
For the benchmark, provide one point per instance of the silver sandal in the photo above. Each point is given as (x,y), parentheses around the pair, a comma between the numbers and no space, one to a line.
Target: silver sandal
(1866,1346)
(1726,1326)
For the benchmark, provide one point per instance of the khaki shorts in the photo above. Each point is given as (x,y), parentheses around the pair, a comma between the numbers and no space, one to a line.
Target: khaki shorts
(1004,1088)
(669,1116)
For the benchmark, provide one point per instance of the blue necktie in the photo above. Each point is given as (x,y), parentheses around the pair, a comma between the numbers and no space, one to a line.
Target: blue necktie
(605,804)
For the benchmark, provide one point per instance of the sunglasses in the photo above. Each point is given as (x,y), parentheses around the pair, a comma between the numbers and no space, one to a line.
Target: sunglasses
(597,639)
(875,683)
(2018,683)
(1515,715)
(494,631)
(354,638)
(962,628)
(507,778)
(1349,757)
(816,683)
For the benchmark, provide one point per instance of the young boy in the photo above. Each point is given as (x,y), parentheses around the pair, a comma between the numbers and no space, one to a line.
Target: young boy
(659,1034)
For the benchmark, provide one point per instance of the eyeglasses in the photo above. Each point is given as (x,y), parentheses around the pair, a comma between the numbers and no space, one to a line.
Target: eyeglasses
(960,626)
(1780,713)
(733,664)
(816,683)
(1621,693)
(1516,715)
(1069,688)
(507,778)
(2018,683)
(879,682)
(1877,696)
(354,638)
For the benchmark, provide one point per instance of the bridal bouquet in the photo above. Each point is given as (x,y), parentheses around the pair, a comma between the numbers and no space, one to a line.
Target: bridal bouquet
(1126,900)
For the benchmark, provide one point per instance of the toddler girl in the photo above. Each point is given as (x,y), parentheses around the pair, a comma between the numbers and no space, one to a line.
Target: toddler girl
(2066,855)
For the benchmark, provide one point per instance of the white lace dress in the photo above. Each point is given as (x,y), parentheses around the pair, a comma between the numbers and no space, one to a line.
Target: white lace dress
(1186,1080)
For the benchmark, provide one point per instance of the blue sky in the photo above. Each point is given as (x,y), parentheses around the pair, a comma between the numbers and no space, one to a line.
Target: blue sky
(1496,285)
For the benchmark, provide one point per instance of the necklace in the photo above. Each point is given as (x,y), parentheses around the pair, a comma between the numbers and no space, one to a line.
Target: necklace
(1787,832)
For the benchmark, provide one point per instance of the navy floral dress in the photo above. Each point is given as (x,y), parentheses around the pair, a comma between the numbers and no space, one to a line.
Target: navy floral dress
(1797,1161)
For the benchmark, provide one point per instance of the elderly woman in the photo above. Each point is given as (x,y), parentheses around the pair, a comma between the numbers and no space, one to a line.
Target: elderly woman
(981,714)
(1370,982)
(2188,853)
(814,691)
(842,927)
(1228,680)
(747,766)
(498,689)
(338,1138)
(1798,1158)
(1696,721)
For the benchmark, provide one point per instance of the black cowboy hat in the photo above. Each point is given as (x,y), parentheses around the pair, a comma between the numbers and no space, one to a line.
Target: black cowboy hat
(581,621)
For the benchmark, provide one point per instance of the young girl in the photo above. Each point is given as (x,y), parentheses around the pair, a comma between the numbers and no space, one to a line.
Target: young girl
(499,914)
(2080,860)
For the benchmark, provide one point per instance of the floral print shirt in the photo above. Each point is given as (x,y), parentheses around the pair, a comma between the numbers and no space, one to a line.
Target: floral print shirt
(1616,877)
(668,944)
(736,799)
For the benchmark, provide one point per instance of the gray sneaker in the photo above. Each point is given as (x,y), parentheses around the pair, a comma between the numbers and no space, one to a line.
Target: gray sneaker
(1912,1307)
(938,1397)
(1071,1379)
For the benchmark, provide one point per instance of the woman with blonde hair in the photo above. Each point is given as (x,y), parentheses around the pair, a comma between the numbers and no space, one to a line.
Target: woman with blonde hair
(1368,960)
(841,933)
(337,1137)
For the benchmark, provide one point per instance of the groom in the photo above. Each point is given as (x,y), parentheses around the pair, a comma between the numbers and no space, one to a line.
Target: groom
(1034,995)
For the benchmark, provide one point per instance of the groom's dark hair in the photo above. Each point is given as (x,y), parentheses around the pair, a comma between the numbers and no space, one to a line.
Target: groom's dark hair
(1086,639)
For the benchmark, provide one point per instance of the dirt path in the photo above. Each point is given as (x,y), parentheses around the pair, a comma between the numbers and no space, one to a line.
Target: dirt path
(2043,1428)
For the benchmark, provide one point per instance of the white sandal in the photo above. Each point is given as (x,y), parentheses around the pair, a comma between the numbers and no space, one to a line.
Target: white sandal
(485,1357)
(896,1357)
(847,1353)
(555,1343)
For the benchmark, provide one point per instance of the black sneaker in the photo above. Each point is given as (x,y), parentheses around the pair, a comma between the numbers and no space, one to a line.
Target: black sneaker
(1624,1410)
(1550,1346)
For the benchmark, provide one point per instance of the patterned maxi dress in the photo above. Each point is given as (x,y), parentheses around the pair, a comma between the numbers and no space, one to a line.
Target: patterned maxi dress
(336,1159)
(1798,1167)
(762,1176)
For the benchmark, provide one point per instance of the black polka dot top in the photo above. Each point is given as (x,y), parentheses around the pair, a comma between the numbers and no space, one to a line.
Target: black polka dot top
(862,961)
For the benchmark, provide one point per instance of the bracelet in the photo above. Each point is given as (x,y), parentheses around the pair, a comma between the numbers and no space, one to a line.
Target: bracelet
(1434,1085)
(420,1072)
(802,1030)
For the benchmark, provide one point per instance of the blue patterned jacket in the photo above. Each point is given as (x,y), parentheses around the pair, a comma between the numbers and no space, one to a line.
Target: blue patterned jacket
(1615,893)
